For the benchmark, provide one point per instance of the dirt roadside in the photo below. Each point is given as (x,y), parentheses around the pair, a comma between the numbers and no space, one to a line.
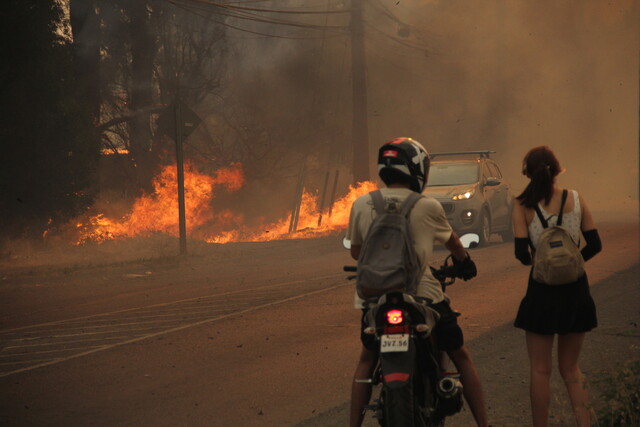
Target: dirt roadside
(502,360)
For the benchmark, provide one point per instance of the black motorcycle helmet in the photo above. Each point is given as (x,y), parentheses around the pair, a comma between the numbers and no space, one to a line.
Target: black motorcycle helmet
(404,160)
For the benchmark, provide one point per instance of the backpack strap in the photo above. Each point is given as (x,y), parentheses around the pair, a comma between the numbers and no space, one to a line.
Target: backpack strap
(564,199)
(378,201)
(379,204)
(409,202)
(543,220)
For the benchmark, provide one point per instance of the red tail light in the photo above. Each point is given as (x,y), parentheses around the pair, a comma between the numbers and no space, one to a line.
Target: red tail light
(394,317)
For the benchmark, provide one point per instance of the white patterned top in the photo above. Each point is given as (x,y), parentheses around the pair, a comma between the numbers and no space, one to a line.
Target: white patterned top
(570,220)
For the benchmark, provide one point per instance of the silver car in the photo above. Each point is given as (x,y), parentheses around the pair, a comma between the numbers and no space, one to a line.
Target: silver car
(474,194)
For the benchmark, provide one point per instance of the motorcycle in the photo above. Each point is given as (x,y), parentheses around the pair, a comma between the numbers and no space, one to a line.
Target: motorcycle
(416,390)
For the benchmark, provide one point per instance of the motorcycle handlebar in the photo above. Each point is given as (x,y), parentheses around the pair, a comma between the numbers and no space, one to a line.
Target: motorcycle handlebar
(446,274)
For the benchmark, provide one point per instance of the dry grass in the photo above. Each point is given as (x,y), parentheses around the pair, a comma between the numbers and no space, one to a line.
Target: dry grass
(620,393)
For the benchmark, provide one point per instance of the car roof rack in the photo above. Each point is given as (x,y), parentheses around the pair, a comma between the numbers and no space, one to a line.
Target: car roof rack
(481,154)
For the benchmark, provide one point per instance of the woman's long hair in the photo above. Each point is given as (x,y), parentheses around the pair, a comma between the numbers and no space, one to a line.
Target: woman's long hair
(541,167)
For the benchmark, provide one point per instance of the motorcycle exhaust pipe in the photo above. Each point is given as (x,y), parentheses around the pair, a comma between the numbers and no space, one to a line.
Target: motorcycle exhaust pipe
(449,387)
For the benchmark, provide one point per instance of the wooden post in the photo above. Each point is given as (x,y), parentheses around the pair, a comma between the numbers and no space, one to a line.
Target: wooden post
(333,192)
(295,212)
(324,193)
(182,223)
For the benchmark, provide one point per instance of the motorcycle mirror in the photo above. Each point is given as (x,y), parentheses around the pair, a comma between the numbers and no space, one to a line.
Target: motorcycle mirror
(346,243)
(470,240)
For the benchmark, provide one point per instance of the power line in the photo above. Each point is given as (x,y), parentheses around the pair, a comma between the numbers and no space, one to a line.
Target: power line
(244,8)
(250,16)
(253,14)
(397,40)
(389,14)
(208,17)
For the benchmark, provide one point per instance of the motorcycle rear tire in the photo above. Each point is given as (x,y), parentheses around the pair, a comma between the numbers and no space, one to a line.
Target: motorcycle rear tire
(398,407)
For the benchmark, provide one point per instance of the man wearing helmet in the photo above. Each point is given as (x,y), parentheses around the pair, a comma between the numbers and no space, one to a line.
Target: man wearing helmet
(403,165)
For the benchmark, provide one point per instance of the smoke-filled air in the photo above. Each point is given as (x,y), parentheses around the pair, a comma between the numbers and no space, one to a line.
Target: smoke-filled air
(268,105)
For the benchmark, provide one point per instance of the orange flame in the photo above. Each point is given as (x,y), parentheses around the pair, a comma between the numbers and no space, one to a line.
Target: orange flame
(307,220)
(158,212)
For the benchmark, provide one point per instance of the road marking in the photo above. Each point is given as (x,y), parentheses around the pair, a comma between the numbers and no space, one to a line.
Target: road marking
(164,304)
(71,342)
(45,351)
(115,324)
(22,362)
(171,330)
(112,321)
(74,335)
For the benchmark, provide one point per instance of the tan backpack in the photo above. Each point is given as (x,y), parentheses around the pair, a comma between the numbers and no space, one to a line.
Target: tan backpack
(388,260)
(557,260)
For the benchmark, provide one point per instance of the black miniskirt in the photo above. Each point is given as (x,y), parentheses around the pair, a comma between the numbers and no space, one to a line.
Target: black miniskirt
(558,309)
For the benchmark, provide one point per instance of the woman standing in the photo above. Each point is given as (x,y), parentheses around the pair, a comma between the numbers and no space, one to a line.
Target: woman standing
(567,310)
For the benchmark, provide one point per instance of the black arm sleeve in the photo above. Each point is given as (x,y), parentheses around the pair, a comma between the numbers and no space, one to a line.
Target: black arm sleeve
(522,250)
(594,245)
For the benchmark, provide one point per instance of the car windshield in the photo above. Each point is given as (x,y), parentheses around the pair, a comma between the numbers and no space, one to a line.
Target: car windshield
(441,174)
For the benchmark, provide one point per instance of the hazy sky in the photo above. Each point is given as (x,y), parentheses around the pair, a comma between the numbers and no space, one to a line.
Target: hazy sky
(497,75)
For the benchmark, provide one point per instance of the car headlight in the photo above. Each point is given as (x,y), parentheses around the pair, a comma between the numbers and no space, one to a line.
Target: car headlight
(466,195)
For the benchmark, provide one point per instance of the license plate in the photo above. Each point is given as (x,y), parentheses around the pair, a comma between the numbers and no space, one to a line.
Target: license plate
(395,342)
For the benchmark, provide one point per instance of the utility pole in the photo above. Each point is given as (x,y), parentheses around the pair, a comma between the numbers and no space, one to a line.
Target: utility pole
(178,121)
(182,222)
(360,126)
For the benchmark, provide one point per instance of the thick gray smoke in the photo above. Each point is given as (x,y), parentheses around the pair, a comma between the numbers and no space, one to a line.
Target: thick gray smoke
(454,74)
(509,76)
(497,75)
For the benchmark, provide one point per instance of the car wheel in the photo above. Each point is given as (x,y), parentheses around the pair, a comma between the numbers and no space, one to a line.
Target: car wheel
(485,228)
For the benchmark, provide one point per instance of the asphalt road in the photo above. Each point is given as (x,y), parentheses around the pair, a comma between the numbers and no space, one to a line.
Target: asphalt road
(234,335)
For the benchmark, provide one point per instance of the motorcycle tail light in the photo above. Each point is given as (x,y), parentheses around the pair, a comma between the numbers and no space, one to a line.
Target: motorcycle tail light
(394,317)
(397,329)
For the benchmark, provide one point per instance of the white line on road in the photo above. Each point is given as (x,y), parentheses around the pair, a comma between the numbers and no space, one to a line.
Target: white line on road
(74,342)
(60,350)
(74,335)
(168,331)
(277,285)
(95,323)
(47,362)
(174,318)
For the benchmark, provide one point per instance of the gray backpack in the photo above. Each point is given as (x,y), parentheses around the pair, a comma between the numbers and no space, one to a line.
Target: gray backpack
(388,260)
(557,260)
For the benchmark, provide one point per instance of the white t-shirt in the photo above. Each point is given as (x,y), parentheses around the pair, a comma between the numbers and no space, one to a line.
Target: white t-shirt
(427,223)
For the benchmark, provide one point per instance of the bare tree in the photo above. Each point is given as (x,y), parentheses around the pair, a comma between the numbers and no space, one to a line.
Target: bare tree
(146,53)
